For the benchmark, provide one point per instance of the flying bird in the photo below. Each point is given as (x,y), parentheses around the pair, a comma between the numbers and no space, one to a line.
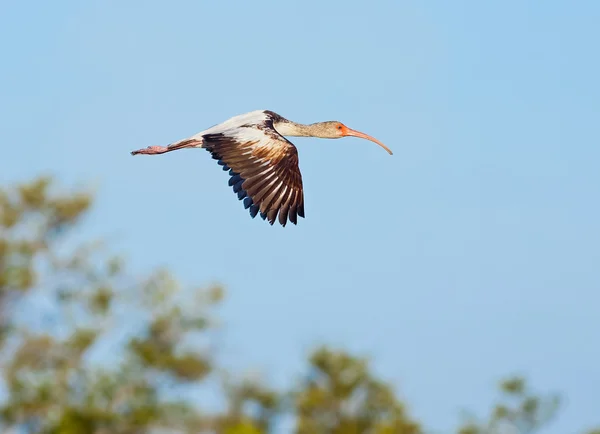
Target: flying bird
(262,163)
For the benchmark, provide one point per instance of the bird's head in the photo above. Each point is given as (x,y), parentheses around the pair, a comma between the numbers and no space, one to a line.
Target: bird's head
(337,130)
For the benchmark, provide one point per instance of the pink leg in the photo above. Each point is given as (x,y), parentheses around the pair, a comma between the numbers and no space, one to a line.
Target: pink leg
(152,150)
(182,144)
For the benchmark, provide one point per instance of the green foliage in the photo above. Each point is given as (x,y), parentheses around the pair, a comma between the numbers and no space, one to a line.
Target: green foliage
(69,375)
(52,385)
(518,408)
(341,396)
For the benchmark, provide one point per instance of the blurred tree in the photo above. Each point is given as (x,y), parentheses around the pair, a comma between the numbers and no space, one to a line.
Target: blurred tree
(104,356)
(519,411)
(86,348)
(340,396)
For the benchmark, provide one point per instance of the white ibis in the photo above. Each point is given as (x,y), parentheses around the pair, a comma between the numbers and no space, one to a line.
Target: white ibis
(262,163)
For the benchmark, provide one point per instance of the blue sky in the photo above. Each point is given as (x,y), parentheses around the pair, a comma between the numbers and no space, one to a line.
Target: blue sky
(475,246)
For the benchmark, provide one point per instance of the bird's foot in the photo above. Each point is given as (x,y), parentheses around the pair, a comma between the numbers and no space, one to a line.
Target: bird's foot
(151,150)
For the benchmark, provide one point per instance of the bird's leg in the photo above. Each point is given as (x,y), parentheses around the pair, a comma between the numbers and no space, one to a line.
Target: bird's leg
(152,150)
(182,144)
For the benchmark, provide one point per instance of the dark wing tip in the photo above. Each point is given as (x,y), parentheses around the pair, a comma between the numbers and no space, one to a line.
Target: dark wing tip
(234,179)
(254,210)
(292,216)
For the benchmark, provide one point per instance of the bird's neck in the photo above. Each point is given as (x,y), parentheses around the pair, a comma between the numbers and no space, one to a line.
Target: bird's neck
(292,129)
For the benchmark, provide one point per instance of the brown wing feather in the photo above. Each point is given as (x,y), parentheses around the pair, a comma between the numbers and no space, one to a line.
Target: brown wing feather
(265,173)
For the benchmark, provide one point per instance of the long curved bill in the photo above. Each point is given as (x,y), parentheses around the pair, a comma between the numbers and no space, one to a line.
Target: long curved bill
(354,133)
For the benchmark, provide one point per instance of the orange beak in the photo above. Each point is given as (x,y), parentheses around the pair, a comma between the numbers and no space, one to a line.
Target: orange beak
(350,132)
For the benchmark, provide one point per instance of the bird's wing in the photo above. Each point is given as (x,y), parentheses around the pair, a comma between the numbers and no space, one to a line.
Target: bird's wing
(264,171)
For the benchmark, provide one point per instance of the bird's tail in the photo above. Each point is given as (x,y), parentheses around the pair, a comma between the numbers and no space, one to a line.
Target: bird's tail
(185,143)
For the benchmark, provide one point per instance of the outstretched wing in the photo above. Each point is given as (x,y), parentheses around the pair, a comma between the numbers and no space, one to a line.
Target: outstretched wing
(264,171)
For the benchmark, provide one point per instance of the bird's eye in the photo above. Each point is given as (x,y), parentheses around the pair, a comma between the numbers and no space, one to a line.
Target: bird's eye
(339,127)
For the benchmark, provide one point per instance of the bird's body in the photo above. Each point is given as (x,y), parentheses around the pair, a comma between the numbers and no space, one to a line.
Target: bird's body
(262,163)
